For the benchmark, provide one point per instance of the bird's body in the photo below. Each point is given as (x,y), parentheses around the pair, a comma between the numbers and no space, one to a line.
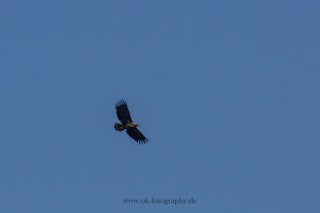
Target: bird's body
(121,127)
(127,123)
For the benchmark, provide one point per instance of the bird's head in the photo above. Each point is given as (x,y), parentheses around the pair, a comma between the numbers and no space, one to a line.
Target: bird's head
(137,125)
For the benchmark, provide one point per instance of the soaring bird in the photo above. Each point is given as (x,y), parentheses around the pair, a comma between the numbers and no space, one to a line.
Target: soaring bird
(127,123)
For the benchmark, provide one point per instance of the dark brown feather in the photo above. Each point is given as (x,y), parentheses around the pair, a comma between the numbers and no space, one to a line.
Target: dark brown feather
(123,112)
(137,135)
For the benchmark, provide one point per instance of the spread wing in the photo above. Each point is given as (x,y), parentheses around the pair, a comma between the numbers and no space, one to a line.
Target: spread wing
(123,112)
(137,135)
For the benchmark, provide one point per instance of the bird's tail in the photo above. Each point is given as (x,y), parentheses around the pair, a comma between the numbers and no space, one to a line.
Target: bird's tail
(118,127)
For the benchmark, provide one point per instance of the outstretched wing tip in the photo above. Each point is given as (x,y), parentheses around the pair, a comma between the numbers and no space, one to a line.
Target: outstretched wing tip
(123,112)
(121,103)
(137,135)
(143,141)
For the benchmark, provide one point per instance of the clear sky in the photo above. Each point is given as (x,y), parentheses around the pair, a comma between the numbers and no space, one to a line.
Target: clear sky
(227,92)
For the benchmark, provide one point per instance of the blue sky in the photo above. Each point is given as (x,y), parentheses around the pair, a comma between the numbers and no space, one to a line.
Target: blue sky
(226,91)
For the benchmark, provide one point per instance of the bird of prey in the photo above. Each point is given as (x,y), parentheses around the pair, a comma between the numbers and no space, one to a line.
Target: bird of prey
(127,123)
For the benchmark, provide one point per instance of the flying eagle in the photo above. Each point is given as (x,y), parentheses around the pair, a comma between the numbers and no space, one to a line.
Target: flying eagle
(124,116)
